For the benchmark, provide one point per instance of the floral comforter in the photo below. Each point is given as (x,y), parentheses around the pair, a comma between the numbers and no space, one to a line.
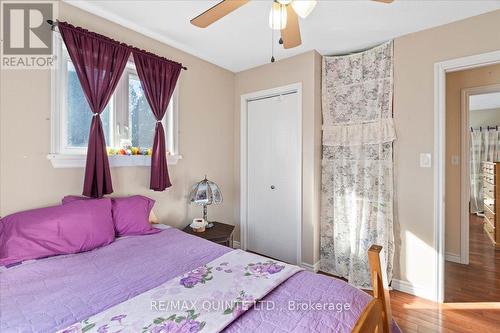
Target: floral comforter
(207,298)
(51,294)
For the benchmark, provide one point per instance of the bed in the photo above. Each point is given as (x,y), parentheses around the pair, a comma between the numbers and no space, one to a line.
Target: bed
(73,293)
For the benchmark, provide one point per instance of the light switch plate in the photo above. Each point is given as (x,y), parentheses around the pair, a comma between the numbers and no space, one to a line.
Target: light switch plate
(425,160)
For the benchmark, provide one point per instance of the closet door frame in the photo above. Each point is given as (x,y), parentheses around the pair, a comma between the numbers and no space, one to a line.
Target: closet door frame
(465,168)
(292,88)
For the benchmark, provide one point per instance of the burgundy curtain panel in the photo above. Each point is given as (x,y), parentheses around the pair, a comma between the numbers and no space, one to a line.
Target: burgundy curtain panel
(158,78)
(99,62)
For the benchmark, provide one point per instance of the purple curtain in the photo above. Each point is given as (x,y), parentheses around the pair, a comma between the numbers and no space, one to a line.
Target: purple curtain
(99,63)
(158,78)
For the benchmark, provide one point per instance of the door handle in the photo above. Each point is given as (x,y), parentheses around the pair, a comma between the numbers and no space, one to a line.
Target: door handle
(272,187)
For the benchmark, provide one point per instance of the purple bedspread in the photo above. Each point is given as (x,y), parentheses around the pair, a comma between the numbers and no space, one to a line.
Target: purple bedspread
(53,293)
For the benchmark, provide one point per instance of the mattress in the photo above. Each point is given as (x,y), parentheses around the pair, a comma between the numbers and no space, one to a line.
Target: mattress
(51,294)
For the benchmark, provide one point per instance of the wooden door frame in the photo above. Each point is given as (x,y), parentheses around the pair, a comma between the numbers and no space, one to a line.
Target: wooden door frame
(292,88)
(440,70)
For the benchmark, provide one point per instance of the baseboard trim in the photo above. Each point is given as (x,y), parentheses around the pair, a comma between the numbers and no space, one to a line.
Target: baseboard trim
(453,257)
(308,267)
(311,268)
(410,288)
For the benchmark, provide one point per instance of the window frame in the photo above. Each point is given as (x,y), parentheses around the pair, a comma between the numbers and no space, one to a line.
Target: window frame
(62,155)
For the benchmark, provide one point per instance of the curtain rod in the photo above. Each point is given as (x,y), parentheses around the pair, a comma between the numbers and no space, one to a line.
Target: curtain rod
(53,25)
(487,128)
(356,51)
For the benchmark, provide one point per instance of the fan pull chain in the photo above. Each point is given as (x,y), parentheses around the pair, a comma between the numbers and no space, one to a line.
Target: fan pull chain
(272,40)
(281,24)
(272,45)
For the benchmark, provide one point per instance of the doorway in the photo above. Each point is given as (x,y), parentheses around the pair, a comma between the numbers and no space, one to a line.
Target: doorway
(271,173)
(472,148)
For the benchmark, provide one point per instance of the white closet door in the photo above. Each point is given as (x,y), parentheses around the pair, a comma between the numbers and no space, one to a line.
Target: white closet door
(273,177)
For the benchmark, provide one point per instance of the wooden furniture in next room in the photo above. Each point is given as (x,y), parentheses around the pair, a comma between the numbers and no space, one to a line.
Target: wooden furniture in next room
(491,178)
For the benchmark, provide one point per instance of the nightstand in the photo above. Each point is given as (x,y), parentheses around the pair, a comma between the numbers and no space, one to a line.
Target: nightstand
(220,233)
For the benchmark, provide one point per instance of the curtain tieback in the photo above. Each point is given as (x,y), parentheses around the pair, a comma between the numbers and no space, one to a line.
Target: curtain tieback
(95,114)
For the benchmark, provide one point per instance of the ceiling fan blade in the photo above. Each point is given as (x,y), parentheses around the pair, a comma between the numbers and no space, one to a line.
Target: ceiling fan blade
(291,33)
(384,1)
(217,12)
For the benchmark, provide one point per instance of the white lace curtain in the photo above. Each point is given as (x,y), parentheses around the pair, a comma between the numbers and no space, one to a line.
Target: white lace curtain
(484,146)
(357,166)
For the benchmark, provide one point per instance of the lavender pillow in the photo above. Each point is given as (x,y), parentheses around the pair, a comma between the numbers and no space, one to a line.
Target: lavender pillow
(75,227)
(130,214)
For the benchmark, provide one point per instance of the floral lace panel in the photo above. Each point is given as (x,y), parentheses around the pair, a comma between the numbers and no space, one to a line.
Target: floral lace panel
(357,168)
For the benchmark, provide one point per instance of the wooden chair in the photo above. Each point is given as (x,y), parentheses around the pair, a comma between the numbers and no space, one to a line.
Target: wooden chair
(377,317)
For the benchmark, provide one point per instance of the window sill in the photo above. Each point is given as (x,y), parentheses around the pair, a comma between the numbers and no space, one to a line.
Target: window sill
(115,161)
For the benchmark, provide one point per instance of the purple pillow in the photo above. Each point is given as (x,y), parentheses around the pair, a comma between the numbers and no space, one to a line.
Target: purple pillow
(75,227)
(71,198)
(130,214)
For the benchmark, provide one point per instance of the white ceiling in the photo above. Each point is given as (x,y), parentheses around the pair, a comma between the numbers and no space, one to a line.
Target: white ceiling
(484,101)
(242,39)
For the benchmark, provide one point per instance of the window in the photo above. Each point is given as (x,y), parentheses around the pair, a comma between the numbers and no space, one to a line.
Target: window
(127,120)
(77,114)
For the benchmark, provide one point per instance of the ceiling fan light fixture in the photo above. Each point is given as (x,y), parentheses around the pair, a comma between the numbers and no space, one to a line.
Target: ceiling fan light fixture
(277,17)
(303,7)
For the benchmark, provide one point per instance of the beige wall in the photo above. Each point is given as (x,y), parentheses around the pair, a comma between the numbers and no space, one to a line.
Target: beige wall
(209,98)
(304,68)
(414,58)
(455,82)
(206,102)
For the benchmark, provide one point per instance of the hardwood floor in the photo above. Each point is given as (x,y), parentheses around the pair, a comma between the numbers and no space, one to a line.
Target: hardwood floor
(472,293)
(414,314)
(480,280)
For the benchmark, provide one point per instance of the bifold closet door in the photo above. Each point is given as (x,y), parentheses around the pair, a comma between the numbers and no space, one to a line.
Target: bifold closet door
(273,176)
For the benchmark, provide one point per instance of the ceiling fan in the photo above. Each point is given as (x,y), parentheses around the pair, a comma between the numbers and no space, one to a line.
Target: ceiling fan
(284,16)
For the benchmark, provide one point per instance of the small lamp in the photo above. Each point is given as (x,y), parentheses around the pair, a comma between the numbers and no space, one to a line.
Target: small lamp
(205,193)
